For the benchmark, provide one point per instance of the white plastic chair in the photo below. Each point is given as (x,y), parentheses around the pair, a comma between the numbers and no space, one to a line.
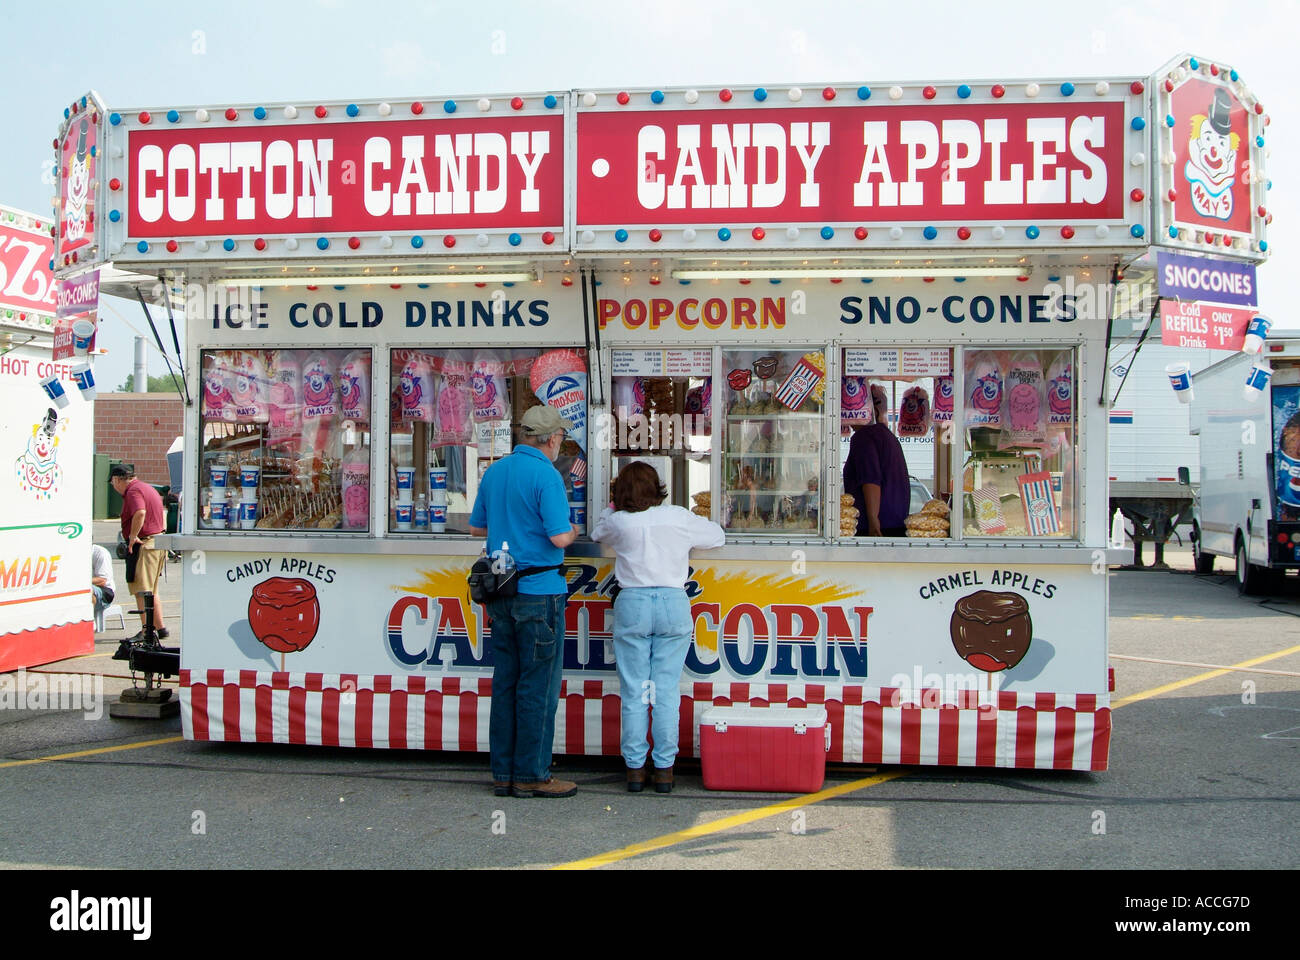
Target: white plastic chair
(112,610)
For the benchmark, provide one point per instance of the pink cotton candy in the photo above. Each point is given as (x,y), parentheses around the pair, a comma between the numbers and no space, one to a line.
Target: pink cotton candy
(1060,389)
(319,402)
(1024,403)
(218,387)
(453,424)
(943,398)
(856,408)
(252,387)
(984,391)
(416,385)
(284,426)
(354,386)
(491,398)
(914,414)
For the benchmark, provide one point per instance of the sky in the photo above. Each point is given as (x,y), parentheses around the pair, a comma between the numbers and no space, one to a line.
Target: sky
(163,54)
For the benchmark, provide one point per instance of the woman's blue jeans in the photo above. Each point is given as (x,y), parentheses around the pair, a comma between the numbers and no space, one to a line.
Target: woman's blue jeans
(652,632)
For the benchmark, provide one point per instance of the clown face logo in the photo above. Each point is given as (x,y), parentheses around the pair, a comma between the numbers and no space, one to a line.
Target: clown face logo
(317,386)
(1060,393)
(74,214)
(1211,166)
(943,395)
(412,391)
(37,469)
(987,395)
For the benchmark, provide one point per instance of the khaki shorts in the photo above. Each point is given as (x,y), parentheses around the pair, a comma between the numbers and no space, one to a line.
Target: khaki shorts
(147,569)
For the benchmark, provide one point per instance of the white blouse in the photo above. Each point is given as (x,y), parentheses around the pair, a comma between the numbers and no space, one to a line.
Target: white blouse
(652,547)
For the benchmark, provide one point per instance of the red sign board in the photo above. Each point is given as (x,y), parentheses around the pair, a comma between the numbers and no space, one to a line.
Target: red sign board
(1206,326)
(401,175)
(26,284)
(1211,154)
(913,163)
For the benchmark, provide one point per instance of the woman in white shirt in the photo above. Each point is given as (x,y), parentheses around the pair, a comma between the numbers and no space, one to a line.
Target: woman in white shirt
(653,626)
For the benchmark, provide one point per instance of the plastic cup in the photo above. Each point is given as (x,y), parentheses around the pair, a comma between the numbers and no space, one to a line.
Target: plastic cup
(1256,381)
(250,476)
(220,514)
(1256,334)
(1180,378)
(403,514)
(247,514)
(84,377)
(83,331)
(577,513)
(54,390)
(219,476)
(405,481)
(437,518)
(437,478)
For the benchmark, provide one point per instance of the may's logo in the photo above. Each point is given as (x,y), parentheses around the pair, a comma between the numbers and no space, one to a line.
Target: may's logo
(1211,167)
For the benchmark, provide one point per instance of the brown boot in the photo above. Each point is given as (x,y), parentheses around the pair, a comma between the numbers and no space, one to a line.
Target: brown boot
(635,779)
(546,788)
(663,780)
(501,788)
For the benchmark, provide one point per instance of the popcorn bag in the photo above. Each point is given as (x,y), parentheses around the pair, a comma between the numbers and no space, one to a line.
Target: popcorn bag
(988,510)
(1024,403)
(354,386)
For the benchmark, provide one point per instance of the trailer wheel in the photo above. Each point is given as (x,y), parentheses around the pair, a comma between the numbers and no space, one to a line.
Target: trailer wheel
(1250,578)
(1204,562)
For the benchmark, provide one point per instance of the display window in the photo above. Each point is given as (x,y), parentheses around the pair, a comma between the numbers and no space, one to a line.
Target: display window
(772,441)
(455,412)
(285,440)
(896,442)
(662,413)
(1021,420)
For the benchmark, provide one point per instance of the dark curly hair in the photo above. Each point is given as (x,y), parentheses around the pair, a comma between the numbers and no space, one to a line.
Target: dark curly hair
(637,487)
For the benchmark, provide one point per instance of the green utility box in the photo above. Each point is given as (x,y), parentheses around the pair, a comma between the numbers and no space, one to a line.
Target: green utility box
(100,488)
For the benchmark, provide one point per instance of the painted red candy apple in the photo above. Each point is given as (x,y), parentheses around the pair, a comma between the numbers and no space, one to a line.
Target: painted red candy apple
(284,613)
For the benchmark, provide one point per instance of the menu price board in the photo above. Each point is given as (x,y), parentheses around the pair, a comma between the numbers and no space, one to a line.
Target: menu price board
(662,363)
(898,362)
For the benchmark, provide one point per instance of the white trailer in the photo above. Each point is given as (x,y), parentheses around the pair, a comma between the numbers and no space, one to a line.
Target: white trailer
(1248,505)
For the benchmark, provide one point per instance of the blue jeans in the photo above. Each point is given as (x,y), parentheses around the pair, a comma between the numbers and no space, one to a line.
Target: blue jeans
(652,632)
(98,591)
(528,654)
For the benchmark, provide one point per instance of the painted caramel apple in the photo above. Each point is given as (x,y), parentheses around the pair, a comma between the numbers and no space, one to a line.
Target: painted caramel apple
(991,631)
(284,613)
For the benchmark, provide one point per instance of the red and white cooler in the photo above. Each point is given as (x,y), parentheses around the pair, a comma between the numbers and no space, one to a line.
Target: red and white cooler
(781,749)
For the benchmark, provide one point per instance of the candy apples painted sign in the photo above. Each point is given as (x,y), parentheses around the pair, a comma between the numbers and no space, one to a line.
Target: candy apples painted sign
(852,163)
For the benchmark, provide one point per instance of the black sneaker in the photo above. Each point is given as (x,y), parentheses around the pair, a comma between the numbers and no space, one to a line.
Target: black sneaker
(163,633)
(123,651)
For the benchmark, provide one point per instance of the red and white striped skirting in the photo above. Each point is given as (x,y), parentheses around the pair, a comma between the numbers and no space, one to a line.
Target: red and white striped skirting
(1044,731)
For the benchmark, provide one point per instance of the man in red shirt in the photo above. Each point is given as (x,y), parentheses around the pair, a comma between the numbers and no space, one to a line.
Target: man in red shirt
(143,515)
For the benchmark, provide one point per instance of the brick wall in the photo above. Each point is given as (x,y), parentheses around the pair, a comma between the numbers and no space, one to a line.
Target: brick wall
(125,430)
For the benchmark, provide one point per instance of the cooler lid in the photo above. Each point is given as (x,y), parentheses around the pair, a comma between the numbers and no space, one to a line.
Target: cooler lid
(777,715)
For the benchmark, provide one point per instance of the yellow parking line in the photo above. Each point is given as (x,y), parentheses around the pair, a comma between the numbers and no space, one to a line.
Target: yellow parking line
(91,753)
(1210,675)
(725,823)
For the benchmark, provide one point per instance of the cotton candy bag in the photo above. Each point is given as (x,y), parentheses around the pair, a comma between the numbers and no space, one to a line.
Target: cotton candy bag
(914,414)
(944,389)
(453,423)
(491,398)
(983,391)
(319,402)
(856,408)
(1060,390)
(284,424)
(416,383)
(1024,403)
(252,387)
(218,387)
(354,386)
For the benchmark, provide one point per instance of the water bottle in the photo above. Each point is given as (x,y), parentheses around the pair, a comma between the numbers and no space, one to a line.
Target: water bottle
(421,513)
(502,563)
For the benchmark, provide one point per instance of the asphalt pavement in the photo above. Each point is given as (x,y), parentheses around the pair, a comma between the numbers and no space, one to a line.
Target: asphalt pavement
(1203,773)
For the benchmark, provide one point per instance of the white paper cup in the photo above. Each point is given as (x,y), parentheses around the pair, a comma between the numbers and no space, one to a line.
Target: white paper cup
(437,518)
(405,483)
(402,512)
(1180,378)
(84,377)
(578,513)
(219,477)
(247,514)
(220,514)
(250,476)
(437,478)
(83,331)
(54,390)
(1256,334)
(1256,381)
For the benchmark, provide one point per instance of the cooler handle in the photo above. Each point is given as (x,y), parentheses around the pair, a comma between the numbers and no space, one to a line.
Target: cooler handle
(828,737)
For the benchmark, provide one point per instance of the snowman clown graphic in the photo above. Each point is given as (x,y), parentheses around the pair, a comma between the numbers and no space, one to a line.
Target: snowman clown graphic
(37,469)
(1211,166)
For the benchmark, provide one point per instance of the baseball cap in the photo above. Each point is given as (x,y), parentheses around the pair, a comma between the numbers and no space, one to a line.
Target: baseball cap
(117,470)
(542,421)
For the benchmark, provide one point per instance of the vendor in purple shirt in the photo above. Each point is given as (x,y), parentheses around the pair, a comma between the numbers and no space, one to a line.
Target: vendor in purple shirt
(875,474)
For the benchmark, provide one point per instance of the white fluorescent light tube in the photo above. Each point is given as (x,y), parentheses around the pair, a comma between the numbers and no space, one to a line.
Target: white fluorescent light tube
(325,280)
(798,272)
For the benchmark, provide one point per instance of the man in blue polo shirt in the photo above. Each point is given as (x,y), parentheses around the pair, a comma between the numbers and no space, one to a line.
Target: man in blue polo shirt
(521,501)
